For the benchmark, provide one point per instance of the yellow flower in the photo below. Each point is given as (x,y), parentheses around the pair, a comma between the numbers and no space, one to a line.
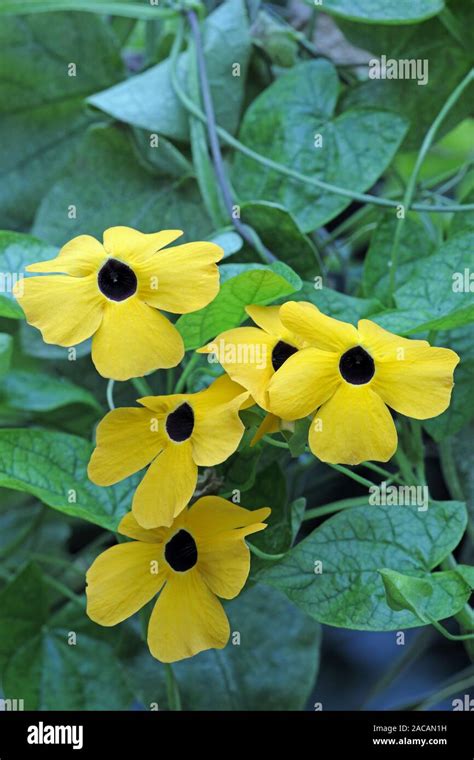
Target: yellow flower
(201,556)
(113,292)
(350,376)
(253,355)
(176,434)
(269,424)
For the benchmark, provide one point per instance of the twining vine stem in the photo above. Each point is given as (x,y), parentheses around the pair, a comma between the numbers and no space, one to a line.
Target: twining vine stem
(181,382)
(142,386)
(264,555)
(172,688)
(110,394)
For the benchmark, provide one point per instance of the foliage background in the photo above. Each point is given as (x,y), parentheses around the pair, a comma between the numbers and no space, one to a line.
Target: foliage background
(86,141)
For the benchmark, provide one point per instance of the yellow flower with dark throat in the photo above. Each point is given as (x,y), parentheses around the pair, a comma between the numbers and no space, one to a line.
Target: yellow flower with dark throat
(201,556)
(174,435)
(114,291)
(253,355)
(350,376)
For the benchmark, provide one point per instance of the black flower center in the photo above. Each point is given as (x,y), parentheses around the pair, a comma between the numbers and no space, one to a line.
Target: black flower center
(357,366)
(116,280)
(181,551)
(180,423)
(281,352)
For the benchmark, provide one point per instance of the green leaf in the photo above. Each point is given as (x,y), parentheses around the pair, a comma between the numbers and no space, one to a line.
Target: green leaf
(282,124)
(159,155)
(127,8)
(399,321)
(109,187)
(241,285)
(419,104)
(42,106)
(336,304)
(280,233)
(448,157)
(42,666)
(415,244)
(437,287)
(229,241)
(463,454)
(383,11)
(298,508)
(461,408)
(467,574)
(148,100)
(259,673)
(269,490)
(239,471)
(352,547)
(434,596)
(27,391)
(205,175)
(6,348)
(16,252)
(278,43)
(53,467)
(23,607)
(32,344)
(298,440)
(465,221)
(26,528)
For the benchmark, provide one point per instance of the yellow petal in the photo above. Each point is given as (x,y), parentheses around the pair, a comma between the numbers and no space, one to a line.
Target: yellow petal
(127,440)
(66,309)
(217,435)
(221,391)
(383,345)
(219,529)
(181,279)
(305,381)
(270,424)
(317,328)
(129,527)
(218,428)
(268,318)
(211,515)
(83,255)
(224,563)
(353,426)
(122,580)
(246,355)
(418,385)
(135,339)
(163,405)
(136,247)
(187,619)
(248,402)
(167,486)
